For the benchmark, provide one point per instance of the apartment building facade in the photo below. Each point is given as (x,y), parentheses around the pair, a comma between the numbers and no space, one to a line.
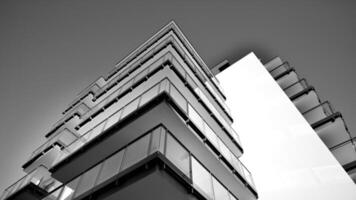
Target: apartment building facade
(156,127)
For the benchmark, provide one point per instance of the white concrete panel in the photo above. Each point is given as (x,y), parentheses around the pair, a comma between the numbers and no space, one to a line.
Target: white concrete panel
(285,156)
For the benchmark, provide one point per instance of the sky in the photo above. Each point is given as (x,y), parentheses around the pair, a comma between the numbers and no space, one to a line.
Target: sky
(50,50)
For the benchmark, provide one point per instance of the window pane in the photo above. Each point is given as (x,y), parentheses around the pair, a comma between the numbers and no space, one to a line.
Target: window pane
(113,119)
(87,181)
(97,130)
(111,166)
(155,140)
(54,195)
(136,151)
(210,134)
(178,98)
(202,178)
(195,117)
(177,155)
(68,190)
(232,197)
(225,151)
(129,108)
(149,95)
(219,191)
(237,165)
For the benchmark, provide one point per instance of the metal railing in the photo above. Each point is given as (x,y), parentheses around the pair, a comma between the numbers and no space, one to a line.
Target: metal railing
(296,87)
(157,140)
(318,112)
(124,111)
(39,177)
(277,71)
(142,75)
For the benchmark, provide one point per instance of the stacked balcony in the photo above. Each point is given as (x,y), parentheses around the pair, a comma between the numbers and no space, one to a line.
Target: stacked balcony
(327,123)
(162,84)
(33,186)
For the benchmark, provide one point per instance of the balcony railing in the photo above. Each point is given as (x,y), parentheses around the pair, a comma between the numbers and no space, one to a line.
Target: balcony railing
(157,140)
(279,71)
(163,86)
(207,82)
(345,152)
(140,77)
(296,87)
(138,53)
(39,177)
(318,113)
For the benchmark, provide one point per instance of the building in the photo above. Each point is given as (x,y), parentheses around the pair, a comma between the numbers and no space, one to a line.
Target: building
(156,127)
(327,123)
(284,153)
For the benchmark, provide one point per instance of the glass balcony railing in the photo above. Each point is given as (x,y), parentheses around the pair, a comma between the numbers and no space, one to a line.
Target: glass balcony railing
(296,87)
(164,85)
(157,140)
(39,177)
(278,71)
(136,64)
(345,152)
(318,113)
(143,74)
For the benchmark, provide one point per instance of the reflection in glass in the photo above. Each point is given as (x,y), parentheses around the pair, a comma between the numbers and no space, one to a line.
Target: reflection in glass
(111,166)
(129,108)
(69,189)
(220,193)
(179,99)
(87,180)
(155,141)
(136,152)
(147,96)
(201,178)
(177,155)
(195,117)
(113,119)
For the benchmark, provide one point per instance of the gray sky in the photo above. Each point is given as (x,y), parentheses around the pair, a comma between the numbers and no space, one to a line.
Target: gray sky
(50,50)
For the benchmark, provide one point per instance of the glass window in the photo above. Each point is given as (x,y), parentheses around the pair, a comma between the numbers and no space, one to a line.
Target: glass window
(220,191)
(177,154)
(232,197)
(54,195)
(111,166)
(201,178)
(149,95)
(97,130)
(224,151)
(136,151)
(127,85)
(155,140)
(87,180)
(178,98)
(195,117)
(113,119)
(130,108)
(68,190)
(211,136)
(237,165)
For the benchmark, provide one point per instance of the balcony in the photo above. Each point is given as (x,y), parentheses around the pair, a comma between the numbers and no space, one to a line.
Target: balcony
(320,114)
(288,79)
(296,89)
(32,186)
(127,87)
(90,133)
(273,63)
(210,84)
(345,153)
(158,141)
(281,70)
